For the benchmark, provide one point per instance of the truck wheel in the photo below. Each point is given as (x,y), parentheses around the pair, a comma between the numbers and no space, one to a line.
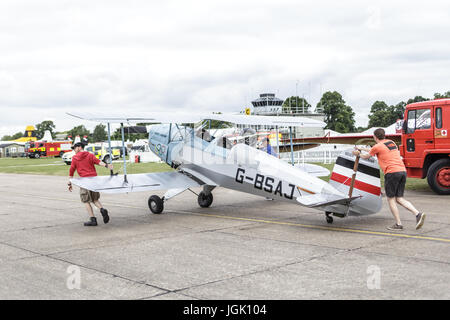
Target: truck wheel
(61,154)
(37,155)
(438,176)
(106,159)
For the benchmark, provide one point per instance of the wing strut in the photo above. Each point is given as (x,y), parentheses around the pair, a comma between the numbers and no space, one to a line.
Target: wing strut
(292,146)
(124,158)
(278,144)
(109,148)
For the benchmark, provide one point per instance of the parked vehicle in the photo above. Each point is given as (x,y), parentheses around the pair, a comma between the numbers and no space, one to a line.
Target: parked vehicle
(39,149)
(100,152)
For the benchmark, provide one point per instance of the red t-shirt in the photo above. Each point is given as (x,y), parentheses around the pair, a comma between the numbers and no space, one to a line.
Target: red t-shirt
(388,156)
(84,162)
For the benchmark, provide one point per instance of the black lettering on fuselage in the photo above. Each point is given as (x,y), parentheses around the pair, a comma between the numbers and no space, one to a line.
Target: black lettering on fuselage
(240,175)
(279,189)
(292,192)
(268,186)
(259,179)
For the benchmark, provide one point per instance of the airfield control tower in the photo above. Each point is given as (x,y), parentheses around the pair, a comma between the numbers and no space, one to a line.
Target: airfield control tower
(269,105)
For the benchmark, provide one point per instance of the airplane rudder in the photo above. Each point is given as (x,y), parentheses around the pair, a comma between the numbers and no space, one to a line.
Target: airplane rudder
(367,182)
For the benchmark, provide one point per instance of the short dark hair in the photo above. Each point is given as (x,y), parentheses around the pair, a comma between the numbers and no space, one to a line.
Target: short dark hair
(379,133)
(78,144)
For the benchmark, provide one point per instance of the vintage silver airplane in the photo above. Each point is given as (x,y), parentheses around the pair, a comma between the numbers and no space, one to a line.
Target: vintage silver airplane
(200,159)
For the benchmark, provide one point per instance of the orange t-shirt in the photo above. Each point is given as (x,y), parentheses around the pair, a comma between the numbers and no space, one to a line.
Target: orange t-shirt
(388,156)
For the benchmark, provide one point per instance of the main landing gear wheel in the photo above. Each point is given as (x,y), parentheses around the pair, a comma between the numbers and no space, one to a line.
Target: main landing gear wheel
(156,204)
(328,217)
(205,200)
(439,176)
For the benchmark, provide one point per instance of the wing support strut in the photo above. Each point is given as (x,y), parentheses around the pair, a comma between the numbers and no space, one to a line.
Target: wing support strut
(109,149)
(292,146)
(124,158)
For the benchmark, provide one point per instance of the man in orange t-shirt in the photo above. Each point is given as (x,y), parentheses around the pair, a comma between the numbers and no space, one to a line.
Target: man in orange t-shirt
(394,170)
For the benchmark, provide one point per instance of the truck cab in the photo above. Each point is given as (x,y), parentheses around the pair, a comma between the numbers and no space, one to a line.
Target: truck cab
(425,144)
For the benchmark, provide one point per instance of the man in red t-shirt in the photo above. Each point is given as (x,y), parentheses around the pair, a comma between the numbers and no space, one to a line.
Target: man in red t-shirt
(394,170)
(83,162)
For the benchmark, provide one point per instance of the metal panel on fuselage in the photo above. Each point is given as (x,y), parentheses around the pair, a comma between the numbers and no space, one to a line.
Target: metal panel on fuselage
(258,173)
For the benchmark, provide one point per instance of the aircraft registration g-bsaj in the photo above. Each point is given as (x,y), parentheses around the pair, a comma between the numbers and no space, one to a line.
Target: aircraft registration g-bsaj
(202,160)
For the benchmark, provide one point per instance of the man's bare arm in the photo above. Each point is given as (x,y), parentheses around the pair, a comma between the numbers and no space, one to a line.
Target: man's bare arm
(106,165)
(361,155)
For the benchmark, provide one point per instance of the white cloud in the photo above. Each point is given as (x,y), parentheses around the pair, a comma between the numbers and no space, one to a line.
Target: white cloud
(213,55)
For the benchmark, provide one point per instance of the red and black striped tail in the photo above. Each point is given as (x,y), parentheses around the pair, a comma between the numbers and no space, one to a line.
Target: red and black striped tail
(367,183)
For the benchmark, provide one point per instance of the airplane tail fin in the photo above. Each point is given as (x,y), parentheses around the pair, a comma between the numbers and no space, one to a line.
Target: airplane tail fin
(366,186)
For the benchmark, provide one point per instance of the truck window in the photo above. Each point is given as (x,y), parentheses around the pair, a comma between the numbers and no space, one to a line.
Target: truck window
(411,121)
(418,120)
(438,118)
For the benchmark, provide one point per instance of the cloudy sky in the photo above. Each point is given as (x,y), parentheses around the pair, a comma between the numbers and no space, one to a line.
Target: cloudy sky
(97,56)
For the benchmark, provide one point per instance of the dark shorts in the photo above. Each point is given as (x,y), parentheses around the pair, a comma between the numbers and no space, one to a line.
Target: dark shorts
(88,196)
(394,184)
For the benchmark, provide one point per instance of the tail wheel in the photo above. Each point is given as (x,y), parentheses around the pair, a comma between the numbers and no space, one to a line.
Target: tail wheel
(328,217)
(438,176)
(156,204)
(205,199)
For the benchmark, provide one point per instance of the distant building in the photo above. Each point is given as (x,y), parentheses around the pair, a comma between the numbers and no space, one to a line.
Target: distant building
(269,105)
(12,150)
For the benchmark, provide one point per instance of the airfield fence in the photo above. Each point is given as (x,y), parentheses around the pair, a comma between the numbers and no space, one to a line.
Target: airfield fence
(325,156)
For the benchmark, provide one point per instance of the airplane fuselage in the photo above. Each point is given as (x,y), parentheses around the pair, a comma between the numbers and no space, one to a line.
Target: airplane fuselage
(241,168)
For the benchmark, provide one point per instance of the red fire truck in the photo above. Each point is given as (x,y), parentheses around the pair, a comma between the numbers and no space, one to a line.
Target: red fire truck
(38,149)
(423,139)
(425,143)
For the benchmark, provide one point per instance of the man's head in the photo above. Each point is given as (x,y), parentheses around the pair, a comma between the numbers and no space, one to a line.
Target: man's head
(379,134)
(77,147)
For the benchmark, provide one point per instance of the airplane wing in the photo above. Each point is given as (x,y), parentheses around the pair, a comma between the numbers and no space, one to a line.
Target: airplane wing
(346,139)
(273,121)
(180,117)
(136,182)
(144,117)
(313,169)
(319,200)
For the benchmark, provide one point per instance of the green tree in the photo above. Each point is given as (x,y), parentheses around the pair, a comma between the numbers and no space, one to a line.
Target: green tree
(99,133)
(382,115)
(417,99)
(78,131)
(378,113)
(17,135)
(13,137)
(396,112)
(441,96)
(44,126)
(295,104)
(338,116)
